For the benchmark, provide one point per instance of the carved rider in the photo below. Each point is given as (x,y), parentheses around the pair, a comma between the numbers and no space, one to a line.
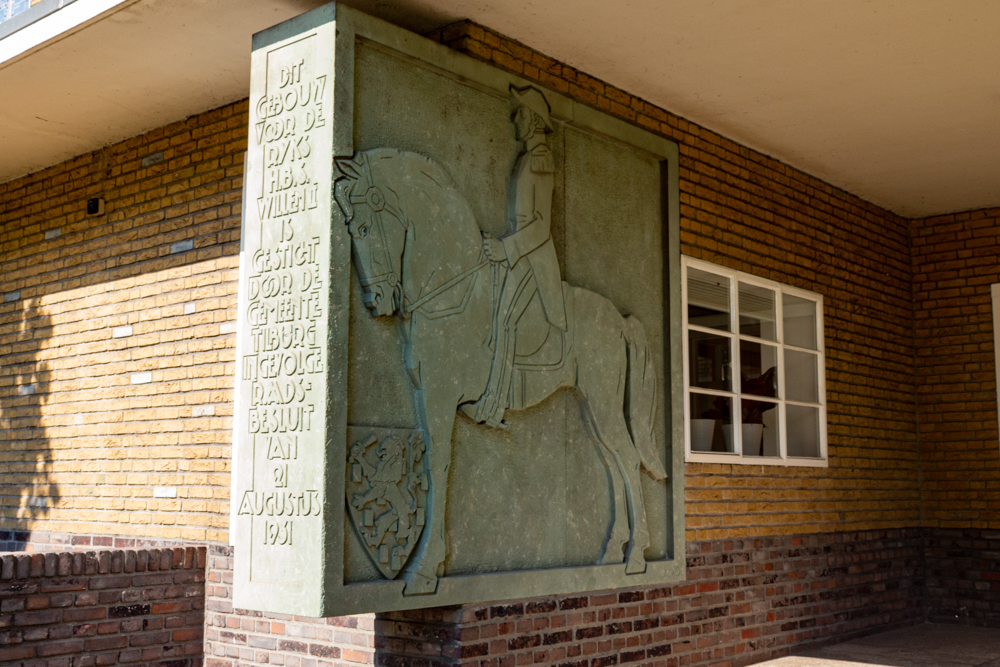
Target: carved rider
(528,251)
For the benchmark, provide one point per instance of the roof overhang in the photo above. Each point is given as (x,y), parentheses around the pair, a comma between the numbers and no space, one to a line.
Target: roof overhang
(895,101)
(99,71)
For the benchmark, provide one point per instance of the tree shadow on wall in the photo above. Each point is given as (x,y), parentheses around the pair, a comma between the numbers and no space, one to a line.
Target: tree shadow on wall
(31,427)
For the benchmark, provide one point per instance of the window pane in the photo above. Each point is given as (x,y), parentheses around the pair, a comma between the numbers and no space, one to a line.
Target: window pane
(801,376)
(757,313)
(711,423)
(710,363)
(758,369)
(708,300)
(799,316)
(760,438)
(803,431)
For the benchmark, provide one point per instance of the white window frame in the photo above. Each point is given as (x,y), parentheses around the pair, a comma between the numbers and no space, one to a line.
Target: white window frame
(737,458)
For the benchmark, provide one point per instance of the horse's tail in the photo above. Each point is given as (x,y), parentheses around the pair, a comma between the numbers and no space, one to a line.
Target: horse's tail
(640,401)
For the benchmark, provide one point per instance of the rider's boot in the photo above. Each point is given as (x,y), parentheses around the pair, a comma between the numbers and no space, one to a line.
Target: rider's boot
(490,407)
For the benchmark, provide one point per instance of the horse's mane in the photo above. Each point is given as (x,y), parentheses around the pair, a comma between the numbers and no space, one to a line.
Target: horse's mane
(435,172)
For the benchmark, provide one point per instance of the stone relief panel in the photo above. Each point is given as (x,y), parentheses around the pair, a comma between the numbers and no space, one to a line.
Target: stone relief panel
(493,406)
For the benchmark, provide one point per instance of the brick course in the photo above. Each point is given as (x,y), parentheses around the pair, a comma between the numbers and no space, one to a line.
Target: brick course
(745,600)
(956,258)
(138,607)
(240,637)
(116,335)
(963,576)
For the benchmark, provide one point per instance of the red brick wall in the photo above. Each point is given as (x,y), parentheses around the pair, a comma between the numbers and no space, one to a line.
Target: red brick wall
(240,637)
(142,607)
(745,600)
(955,260)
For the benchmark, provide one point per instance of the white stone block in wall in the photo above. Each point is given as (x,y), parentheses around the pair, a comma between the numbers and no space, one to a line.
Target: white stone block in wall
(142,378)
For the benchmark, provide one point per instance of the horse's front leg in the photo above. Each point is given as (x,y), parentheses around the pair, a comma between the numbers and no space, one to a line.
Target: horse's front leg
(438,411)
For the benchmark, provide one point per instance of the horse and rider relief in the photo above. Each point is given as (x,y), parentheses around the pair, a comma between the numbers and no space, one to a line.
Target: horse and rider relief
(488,329)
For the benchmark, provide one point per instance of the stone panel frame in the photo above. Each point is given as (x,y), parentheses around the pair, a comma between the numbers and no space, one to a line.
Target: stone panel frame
(330,595)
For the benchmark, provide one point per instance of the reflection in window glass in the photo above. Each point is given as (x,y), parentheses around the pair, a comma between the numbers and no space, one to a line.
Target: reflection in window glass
(711,423)
(754,361)
(799,317)
(762,437)
(758,369)
(757,312)
(801,377)
(803,431)
(709,363)
(708,300)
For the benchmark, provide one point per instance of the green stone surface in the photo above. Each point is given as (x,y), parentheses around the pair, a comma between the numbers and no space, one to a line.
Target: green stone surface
(538,507)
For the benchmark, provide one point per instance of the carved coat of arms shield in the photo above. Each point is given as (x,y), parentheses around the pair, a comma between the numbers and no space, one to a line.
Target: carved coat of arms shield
(386,489)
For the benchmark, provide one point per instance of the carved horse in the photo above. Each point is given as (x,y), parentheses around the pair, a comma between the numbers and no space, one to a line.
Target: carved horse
(418,252)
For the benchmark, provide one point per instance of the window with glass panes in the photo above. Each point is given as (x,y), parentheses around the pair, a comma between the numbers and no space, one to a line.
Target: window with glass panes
(754,369)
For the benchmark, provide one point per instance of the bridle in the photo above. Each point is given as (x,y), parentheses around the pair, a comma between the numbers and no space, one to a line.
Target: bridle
(376,201)
(374,198)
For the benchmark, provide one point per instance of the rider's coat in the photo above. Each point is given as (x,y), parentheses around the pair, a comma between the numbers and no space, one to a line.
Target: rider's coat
(530,202)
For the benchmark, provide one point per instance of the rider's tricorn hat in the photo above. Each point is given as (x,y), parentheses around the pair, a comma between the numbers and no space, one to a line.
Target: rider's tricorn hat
(534,100)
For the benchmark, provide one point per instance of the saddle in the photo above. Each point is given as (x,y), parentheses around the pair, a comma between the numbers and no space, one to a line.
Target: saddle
(538,345)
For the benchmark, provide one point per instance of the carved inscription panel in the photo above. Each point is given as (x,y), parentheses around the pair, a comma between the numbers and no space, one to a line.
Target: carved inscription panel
(282,361)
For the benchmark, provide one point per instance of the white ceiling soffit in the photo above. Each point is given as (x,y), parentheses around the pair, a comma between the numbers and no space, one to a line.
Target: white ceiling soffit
(100,71)
(896,101)
(893,100)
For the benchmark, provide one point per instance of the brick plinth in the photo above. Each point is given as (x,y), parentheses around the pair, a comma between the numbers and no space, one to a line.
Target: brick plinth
(241,637)
(963,576)
(137,607)
(745,600)
(44,541)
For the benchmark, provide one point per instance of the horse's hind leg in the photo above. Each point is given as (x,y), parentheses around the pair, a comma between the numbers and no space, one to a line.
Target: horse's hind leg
(609,424)
(619,534)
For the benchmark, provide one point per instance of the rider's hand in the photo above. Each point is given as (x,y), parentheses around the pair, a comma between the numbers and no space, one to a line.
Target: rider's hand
(495,251)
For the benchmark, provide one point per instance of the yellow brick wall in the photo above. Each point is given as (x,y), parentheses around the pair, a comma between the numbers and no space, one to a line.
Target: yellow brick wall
(739,208)
(79,426)
(956,259)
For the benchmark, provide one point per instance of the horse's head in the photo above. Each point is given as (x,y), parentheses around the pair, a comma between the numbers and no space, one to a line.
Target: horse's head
(378,232)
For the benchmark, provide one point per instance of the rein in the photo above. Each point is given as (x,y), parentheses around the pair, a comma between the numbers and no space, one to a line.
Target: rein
(416,305)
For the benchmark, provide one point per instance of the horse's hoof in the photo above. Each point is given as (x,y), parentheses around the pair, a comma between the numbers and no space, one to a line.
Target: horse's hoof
(635,565)
(418,584)
(611,556)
